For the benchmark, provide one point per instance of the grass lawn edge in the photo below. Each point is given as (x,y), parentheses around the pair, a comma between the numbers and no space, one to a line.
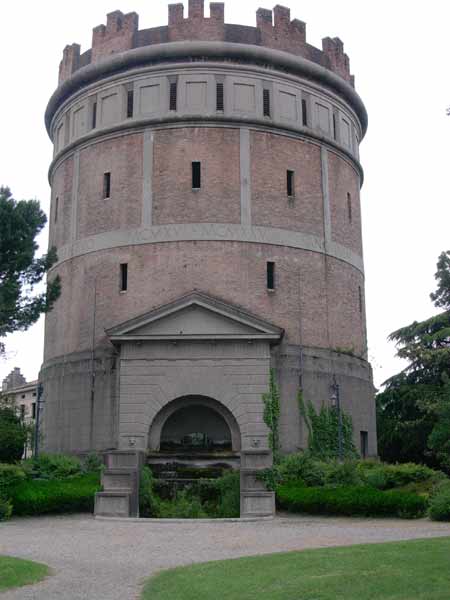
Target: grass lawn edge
(17,572)
(148,588)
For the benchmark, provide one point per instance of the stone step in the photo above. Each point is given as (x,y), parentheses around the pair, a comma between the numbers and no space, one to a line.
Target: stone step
(112,504)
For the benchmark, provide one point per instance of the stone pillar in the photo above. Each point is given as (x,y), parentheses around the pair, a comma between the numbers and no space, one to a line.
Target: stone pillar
(256,500)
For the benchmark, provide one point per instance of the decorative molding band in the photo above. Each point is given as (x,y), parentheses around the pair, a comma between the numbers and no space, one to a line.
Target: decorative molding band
(209,232)
(175,122)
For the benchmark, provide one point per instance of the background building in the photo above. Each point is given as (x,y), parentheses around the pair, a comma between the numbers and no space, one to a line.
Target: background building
(24,396)
(206,212)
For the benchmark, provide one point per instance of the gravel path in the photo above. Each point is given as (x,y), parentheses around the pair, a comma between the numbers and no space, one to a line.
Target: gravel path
(108,560)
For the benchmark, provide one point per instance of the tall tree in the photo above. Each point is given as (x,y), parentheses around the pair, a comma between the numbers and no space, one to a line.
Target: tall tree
(414,409)
(20,270)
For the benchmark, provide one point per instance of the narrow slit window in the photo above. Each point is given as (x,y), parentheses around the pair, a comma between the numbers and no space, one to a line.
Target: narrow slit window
(123,277)
(349,207)
(56,208)
(266,103)
(360,299)
(290,183)
(334,127)
(94,115)
(33,410)
(270,275)
(364,443)
(219,97)
(173,96)
(304,113)
(196,175)
(130,102)
(106,185)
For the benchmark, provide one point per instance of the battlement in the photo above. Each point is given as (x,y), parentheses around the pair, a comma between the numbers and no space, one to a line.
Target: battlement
(274,29)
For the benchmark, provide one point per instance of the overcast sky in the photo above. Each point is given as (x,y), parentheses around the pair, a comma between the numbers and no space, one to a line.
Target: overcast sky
(399,54)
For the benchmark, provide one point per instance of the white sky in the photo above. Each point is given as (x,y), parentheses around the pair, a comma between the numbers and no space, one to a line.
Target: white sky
(399,54)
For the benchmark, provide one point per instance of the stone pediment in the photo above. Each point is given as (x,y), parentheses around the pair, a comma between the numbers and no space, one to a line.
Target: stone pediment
(195,317)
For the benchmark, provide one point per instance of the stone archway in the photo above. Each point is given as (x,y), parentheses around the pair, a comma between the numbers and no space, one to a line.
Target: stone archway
(194,416)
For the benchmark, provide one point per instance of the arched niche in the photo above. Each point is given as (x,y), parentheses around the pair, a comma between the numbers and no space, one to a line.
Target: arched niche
(174,426)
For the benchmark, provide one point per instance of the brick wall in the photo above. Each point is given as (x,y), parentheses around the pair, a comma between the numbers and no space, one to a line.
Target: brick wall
(218,199)
(271,156)
(306,290)
(61,189)
(343,180)
(122,157)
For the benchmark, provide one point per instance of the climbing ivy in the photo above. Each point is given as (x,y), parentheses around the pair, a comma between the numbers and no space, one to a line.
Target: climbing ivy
(271,415)
(323,430)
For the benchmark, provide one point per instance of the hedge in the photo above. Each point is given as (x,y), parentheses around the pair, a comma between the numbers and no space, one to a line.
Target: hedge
(39,497)
(350,501)
(439,506)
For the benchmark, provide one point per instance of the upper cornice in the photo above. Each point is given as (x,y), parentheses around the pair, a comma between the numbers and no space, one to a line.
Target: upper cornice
(174,52)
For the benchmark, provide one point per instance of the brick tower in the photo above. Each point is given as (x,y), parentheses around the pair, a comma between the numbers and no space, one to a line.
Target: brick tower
(206,213)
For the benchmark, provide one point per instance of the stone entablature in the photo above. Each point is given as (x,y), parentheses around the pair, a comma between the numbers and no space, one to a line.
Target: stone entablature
(274,29)
(296,105)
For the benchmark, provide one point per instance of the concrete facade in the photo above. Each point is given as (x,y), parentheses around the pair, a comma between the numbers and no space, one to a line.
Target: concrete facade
(196,323)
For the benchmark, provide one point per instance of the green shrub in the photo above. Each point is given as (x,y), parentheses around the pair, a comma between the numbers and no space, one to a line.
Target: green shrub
(10,476)
(148,500)
(13,435)
(376,478)
(5,509)
(229,497)
(350,501)
(215,498)
(53,466)
(345,473)
(439,504)
(92,463)
(183,506)
(385,476)
(296,467)
(38,497)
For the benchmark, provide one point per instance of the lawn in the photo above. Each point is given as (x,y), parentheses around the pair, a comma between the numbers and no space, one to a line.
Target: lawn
(413,570)
(15,572)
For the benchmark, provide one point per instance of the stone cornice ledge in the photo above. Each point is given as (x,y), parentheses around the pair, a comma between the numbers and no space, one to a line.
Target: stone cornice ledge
(173,51)
(209,232)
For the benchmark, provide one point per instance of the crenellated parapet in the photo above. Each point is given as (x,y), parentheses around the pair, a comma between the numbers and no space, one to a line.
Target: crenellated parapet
(119,35)
(274,29)
(333,49)
(70,62)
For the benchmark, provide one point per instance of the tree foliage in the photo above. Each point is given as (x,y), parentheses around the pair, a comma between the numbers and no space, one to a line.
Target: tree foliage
(413,411)
(20,270)
(13,433)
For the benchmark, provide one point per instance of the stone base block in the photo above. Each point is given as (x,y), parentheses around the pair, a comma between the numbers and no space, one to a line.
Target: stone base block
(112,504)
(257,504)
(113,479)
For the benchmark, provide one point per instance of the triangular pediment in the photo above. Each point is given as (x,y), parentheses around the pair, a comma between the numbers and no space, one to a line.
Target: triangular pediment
(195,316)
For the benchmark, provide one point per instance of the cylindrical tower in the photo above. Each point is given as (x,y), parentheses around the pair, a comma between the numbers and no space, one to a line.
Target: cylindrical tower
(206,214)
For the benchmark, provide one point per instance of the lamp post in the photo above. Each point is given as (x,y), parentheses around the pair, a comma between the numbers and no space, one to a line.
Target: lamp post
(336,403)
(40,391)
